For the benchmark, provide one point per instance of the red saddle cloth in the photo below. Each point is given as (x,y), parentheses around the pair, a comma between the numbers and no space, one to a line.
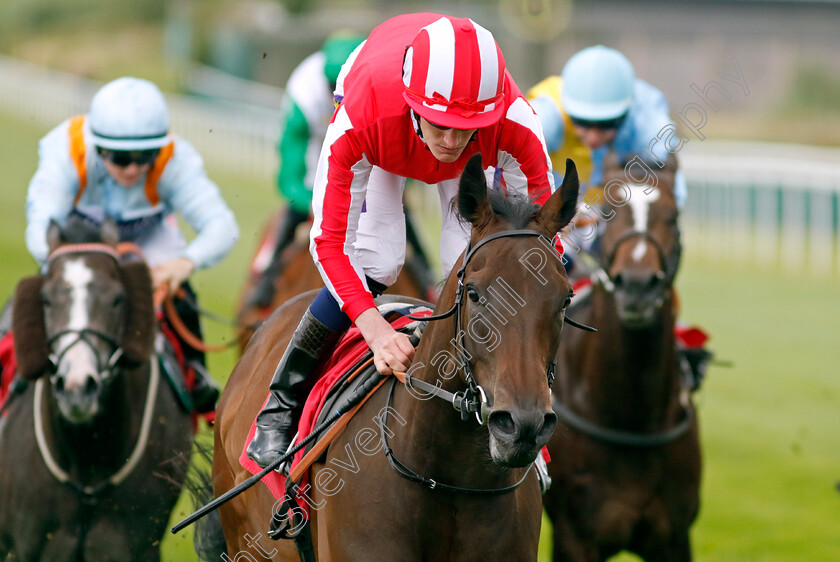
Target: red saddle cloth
(348,352)
(8,364)
(690,336)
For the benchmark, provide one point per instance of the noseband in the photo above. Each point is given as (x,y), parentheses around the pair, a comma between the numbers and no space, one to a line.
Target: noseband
(107,371)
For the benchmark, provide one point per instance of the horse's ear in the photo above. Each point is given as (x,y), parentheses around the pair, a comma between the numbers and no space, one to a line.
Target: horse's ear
(109,231)
(560,208)
(472,192)
(31,350)
(139,334)
(55,238)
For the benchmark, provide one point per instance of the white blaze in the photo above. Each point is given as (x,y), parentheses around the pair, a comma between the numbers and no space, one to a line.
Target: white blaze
(79,360)
(640,203)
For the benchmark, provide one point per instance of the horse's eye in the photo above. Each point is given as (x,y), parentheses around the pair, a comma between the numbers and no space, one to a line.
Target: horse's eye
(473,295)
(567,302)
(119,299)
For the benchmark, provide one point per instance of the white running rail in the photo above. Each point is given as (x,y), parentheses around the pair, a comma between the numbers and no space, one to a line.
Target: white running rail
(761,203)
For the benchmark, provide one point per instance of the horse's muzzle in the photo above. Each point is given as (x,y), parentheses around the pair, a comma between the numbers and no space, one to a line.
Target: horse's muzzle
(639,298)
(78,403)
(516,436)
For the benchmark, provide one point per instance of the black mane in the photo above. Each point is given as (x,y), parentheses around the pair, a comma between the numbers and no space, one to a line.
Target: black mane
(515,208)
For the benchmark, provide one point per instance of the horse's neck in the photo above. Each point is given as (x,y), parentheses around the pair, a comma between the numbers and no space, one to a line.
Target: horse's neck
(92,452)
(628,377)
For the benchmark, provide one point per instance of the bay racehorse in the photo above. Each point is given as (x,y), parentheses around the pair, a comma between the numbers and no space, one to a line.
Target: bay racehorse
(626,458)
(478,497)
(298,275)
(93,453)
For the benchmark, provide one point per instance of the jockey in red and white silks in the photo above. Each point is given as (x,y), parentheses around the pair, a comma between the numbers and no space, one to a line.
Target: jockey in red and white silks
(420,96)
(374,143)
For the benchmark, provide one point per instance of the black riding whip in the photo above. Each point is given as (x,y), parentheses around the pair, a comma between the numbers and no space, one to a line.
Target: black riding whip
(351,401)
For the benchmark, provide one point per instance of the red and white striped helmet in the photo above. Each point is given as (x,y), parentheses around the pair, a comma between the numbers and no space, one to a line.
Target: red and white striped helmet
(454,74)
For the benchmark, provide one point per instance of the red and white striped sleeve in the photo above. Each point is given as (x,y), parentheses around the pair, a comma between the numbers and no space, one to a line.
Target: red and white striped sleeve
(337,199)
(522,154)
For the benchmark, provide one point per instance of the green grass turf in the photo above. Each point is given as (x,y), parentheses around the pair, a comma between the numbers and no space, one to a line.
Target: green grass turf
(770,424)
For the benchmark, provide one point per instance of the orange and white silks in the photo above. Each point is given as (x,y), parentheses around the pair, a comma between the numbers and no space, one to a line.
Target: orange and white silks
(78,154)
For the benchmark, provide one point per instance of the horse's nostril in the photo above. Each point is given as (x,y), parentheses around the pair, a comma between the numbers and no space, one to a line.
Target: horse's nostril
(91,386)
(549,423)
(59,384)
(502,422)
(654,282)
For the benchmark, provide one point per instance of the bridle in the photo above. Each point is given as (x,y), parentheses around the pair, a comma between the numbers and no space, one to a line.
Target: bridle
(106,370)
(668,267)
(473,400)
(602,278)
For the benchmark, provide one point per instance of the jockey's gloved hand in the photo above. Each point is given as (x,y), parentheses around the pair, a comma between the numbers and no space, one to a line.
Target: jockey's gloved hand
(392,350)
(172,274)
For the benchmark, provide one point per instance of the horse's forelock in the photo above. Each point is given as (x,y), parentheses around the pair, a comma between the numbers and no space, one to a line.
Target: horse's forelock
(138,335)
(517,210)
(31,350)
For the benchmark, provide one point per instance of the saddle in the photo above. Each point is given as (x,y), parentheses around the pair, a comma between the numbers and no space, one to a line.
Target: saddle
(342,375)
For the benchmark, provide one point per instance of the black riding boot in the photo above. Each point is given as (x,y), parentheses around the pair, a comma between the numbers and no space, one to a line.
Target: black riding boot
(310,342)
(264,290)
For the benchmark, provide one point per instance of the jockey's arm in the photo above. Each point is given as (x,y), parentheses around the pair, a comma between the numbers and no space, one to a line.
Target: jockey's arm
(652,134)
(551,121)
(526,169)
(522,154)
(185,188)
(342,178)
(294,142)
(51,191)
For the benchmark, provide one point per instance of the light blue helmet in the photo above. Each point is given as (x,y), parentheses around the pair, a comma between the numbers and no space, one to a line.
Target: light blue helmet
(129,114)
(597,84)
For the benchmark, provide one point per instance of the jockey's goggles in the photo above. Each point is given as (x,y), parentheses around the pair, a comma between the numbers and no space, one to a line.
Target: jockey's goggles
(606,125)
(125,158)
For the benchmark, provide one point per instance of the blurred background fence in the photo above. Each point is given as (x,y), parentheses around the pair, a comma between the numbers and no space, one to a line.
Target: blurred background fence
(760,203)
(235,137)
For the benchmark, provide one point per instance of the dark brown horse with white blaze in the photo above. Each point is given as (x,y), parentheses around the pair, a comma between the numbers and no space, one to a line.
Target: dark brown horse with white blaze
(93,453)
(505,308)
(626,458)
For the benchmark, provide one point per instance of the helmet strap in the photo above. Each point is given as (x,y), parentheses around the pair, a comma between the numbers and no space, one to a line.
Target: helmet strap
(415,121)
